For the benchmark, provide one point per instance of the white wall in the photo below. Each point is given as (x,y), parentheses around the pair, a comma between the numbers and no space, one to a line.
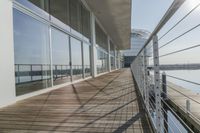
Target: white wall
(7,80)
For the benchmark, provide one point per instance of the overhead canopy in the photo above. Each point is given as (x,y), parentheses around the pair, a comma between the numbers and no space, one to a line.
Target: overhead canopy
(115,16)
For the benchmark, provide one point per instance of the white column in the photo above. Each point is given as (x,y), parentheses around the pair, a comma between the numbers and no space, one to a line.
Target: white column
(7,74)
(93,47)
(109,62)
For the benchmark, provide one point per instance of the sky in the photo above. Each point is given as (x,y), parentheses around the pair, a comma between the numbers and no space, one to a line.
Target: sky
(146,14)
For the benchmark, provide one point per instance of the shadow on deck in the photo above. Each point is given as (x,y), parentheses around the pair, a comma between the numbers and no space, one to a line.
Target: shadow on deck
(105,104)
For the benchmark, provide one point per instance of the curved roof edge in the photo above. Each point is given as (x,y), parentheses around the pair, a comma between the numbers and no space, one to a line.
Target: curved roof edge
(141,32)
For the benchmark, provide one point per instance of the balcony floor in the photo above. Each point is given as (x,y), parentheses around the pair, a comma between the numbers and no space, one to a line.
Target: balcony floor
(101,105)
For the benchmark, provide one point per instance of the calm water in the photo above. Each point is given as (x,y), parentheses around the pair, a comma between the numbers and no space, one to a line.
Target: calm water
(193,76)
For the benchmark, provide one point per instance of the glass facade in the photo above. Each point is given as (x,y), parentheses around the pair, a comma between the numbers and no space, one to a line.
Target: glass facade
(85,21)
(112,62)
(43,4)
(86,59)
(69,12)
(101,38)
(60,57)
(46,54)
(60,10)
(102,61)
(75,15)
(77,65)
(112,56)
(32,54)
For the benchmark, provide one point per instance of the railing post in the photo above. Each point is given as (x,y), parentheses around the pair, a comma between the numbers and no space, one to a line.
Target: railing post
(146,80)
(164,86)
(157,83)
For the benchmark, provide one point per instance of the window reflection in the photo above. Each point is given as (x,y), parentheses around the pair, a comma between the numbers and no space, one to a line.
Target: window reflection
(60,57)
(102,61)
(112,61)
(75,15)
(76,55)
(60,10)
(32,59)
(86,55)
(101,38)
(43,4)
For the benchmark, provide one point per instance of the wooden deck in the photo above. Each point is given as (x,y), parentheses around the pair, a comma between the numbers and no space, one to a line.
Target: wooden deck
(102,105)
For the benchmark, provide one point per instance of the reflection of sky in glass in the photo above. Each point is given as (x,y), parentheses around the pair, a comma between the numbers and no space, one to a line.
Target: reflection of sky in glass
(86,49)
(60,48)
(30,39)
(76,52)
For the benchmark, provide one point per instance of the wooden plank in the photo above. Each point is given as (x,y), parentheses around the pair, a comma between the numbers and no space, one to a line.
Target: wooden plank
(105,104)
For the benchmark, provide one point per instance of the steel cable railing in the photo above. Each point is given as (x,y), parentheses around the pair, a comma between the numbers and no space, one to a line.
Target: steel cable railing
(183,18)
(157,93)
(166,113)
(178,51)
(175,25)
(191,115)
(179,36)
(183,80)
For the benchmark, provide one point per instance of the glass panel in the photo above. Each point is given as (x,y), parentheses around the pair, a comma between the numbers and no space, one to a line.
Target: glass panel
(41,7)
(43,4)
(85,18)
(86,53)
(32,54)
(60,10)
(112,61)
(75,15)
(102,61)
(76,59)
(101,38)
(60,57)
(112,49)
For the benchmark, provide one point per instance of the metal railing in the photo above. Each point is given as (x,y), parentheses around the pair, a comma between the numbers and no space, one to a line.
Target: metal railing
(155,89)
(36,72)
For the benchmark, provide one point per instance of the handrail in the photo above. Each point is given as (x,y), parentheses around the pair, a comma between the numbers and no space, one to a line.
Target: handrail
(147,75)
(170,12)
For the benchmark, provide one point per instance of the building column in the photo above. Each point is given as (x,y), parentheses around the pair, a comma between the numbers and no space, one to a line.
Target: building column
(109,62)
(7,70)
(93,46)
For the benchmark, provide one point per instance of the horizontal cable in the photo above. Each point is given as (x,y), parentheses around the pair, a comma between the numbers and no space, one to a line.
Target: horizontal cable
(182,93)
(171,120)
(179,21)
(163,110)
(180,50)
(169,97)
(179,36)
(183,80)
(177,116)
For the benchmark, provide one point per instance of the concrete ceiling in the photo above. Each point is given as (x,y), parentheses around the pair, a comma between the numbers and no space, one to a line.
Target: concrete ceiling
(115,17)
